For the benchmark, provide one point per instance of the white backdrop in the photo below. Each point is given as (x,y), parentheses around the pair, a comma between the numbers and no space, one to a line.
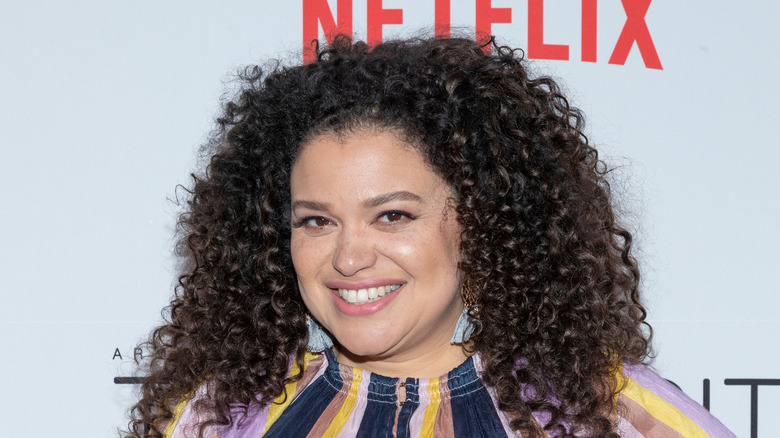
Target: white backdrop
(103,105)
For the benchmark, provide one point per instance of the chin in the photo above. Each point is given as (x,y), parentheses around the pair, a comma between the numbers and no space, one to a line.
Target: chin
(368,348)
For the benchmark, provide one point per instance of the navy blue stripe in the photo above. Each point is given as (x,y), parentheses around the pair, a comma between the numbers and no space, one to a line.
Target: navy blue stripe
(411,404)
(473,413)
(302,414)
(380,409)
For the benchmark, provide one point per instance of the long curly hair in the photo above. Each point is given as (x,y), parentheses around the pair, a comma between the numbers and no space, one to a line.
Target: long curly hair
(558,305)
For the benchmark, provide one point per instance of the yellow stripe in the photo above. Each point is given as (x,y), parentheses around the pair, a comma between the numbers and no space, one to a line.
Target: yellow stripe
(429,420)
(659,408)
(274,411)
(176,415)
(346,409)
(280,404)
(539,427)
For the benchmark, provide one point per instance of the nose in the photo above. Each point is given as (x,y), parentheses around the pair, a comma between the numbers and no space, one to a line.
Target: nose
(354,252)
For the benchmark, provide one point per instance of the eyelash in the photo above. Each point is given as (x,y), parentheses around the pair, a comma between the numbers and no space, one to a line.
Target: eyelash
(398,212)
(303,221)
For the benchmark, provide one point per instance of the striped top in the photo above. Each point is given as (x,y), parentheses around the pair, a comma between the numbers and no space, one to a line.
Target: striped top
(335,400)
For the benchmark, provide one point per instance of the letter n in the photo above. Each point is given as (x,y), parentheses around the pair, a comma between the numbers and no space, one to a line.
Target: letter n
(317,13)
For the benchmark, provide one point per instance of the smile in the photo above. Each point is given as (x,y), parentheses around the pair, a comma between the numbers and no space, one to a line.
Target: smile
(367,295)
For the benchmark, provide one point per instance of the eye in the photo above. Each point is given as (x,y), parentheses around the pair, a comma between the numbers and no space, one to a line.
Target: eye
(316,222)
(312,222)
(394,217)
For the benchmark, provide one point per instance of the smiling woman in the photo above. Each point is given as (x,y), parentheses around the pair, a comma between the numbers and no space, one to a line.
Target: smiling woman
(409,240)
(368,213)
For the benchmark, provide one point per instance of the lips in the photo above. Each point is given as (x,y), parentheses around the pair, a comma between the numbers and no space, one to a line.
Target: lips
(366,295)
(359,308)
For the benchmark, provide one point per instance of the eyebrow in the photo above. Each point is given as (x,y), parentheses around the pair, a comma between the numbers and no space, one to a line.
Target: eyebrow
(389,197)
(311,205)
(373,202)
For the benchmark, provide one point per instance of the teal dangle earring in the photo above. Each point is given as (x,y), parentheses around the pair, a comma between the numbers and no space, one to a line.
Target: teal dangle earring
(465,325)
(319,341)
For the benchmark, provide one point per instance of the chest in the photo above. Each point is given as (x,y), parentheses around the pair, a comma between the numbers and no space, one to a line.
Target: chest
(369,406)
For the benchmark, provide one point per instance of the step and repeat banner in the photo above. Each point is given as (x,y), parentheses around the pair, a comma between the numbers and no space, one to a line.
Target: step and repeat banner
(103,105)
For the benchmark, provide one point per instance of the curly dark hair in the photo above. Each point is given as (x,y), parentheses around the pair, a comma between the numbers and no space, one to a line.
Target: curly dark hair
(556,284)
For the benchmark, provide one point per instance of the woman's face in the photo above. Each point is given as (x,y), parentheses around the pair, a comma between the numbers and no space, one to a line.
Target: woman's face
(375,246)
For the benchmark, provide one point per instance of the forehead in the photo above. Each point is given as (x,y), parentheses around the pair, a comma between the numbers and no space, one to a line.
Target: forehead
(361,164)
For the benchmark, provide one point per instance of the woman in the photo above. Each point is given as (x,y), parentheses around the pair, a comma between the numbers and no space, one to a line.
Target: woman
(409,240)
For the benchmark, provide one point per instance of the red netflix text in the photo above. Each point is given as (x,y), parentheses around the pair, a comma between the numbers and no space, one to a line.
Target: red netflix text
(318,14)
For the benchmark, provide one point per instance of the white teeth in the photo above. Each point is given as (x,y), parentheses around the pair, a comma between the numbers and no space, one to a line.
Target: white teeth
(362,296)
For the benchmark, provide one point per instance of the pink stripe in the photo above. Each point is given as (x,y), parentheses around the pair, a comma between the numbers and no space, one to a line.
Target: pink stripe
(256,419)
(443,425)
(626,429)
(189,420)
(252,426)
(418,417)
(320,371)
(649,380)
(352,425)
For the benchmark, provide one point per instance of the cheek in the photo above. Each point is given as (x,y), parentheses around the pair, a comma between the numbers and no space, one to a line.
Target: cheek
(305,256)
(306,268)
(437,250)
(305,296)
(296,253)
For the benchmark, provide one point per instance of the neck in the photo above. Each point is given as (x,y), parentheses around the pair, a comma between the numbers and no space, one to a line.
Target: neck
(430,364)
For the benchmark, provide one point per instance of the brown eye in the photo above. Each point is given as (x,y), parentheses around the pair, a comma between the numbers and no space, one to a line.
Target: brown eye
(393,216)
(317,222)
